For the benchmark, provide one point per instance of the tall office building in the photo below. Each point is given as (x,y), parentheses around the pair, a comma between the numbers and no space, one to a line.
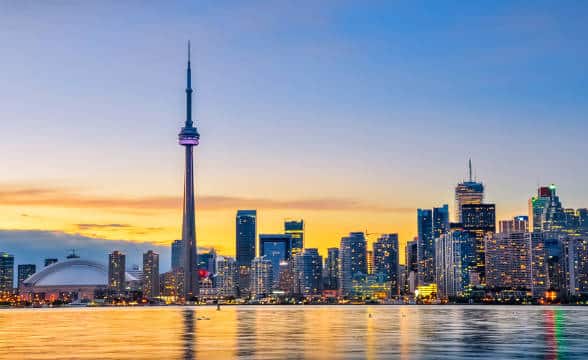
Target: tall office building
(481,220)
(116,271)
(261,277)
(275,248)
(545,210)
(177,247)
(296,229)
(369,259)
(226,276)
(246,235)
(24,271)
(516,261)
(50,261)
(6,273)
(426,247)
(440,221)
(517,224)
(331,269)
(352,260)
(309,271)
(386,254)
(189,138)
(575,265)
(468,192)
(455,262)
(412,265)
(207,261)
(150,274)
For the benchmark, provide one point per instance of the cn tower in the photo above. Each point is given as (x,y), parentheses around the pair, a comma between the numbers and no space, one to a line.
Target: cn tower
(189,138)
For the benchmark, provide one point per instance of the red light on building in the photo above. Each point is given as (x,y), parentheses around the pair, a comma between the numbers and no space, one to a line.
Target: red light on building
(202,273)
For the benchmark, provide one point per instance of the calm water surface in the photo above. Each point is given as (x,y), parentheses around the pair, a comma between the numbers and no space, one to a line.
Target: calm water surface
(299,332)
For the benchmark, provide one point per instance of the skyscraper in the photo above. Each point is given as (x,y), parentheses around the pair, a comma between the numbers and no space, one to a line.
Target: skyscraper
(517,224)
(331,269)
(516,260)
(226,276)
(309,271)
(352,260)
(276,248)
(24,271)
(6,273)
(150,274)
(412,265)
(246,234)
(261,277)
(116,271)
(426,247)
(176,254)
(296,229)
(386,260)
(545,210)
(455,261)
(189,138)
(468,192)
(481,220)
(440,221)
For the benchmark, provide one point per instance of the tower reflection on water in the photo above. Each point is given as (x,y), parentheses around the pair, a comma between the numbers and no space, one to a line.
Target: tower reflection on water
(188,339)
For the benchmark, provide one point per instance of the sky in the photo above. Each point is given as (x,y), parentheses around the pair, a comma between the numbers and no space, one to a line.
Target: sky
(347,114)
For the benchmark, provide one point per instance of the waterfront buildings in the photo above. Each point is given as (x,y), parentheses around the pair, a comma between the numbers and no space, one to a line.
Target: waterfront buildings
(352,260)
(479,219)
(150,274)
(425,247)
(226,276)
(386,256)
(516,261)
(275,248)
(189,138)
(331,269)
(308,265)
(6,273)
(246,235)
(261,277)
(412,264)
(116,271)
(295,228)
(24,271)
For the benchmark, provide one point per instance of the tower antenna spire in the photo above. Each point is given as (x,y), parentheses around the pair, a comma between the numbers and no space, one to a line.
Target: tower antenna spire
(470,168)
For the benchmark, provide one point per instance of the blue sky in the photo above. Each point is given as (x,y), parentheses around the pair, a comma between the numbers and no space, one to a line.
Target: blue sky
(381,101)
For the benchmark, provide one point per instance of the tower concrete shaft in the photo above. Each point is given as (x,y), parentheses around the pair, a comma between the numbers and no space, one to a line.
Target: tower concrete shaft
(189,138)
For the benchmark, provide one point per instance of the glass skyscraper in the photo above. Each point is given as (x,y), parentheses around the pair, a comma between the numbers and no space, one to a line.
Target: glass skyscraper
(246,236)
(481,220)
(308,265)
(275,248)
(116,271)
(150,274)
(352,260)
(426,247)
(296,229)
(6,273)
(24,271)
(176,254)
(468,192)
(386,260)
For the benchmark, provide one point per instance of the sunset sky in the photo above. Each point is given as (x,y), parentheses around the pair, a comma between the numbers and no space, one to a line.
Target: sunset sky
(346,114)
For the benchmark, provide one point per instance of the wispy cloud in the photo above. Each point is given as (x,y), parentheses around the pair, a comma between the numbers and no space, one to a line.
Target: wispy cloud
(65,198)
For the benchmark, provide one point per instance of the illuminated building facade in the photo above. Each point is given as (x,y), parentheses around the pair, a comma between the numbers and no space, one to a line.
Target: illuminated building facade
(352,260)
(150,274)
(369,258)
(426,247)
(331,269)
(261,277)
(308,265)
(517,224)
(275,248)
(177,247)
(226,276)
(24,271)
(481,220)
(516,261)
(6,273)
(386,256)
(246,235)
(116,271)
(455,260)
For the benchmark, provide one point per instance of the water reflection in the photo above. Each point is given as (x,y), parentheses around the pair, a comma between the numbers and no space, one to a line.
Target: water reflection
(304,332)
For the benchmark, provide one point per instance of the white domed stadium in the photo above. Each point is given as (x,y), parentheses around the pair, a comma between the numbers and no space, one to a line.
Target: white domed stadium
(78,277)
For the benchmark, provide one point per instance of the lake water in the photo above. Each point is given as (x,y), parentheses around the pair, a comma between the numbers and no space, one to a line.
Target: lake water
(299,332)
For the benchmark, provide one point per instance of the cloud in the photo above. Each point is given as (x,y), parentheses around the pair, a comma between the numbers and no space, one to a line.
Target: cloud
(66,198)
(101,226)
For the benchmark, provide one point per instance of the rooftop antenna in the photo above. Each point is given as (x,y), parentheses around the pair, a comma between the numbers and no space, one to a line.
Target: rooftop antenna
(470,168)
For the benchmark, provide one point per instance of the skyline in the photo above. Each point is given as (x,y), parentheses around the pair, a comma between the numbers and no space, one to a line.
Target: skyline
(268,145)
